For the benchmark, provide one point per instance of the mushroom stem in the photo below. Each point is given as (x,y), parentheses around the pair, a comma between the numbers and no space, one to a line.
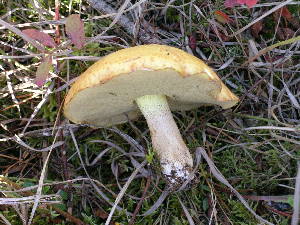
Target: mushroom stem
(175,158)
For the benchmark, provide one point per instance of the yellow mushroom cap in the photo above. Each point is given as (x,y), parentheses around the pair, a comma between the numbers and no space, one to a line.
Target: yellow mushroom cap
(105,93)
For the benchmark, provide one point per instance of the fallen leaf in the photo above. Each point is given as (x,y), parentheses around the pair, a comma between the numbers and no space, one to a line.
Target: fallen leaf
(232,3)
(256,28)
(286,13)
(283,12)
(42,72)
(289,33)
(222,17)
(224,37)
(220,34)
(193,42)
(295,22)
(101,213)
(41,37)
(272,59)
(285,33)
(75,30)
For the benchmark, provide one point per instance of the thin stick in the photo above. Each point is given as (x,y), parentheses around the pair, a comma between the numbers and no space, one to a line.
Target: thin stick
(139,205)
(295,218)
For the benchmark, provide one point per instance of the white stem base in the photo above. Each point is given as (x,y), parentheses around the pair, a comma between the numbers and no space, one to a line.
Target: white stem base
(175,158)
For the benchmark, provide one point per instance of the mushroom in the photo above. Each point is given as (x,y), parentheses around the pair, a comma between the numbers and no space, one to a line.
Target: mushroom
(152,80)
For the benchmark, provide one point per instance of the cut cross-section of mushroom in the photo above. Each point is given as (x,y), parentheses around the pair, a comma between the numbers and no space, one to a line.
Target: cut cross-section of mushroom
(152,80)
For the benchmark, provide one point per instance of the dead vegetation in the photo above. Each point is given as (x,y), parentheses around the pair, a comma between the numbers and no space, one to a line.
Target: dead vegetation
(60,173)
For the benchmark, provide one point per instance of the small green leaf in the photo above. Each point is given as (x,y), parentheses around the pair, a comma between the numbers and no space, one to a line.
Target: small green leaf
(63,195)
(46,189)
(150,156)
(205,204)
(61,206)
(28,184)
(291,200)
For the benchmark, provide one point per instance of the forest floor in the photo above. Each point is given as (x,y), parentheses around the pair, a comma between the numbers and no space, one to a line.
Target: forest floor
(53,171)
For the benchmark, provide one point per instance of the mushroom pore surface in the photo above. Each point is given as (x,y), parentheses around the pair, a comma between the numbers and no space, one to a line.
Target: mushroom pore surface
(104,94)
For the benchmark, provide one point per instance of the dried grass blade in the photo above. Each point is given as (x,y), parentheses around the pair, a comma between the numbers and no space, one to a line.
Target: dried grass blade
(261,17)
(293,129)
(159,201)
(296,216)
(186,212)
(91,180)
(270,48)
(4,219)
(221,178)
(41,181)
(115,20)
(29,199)
(18,140)
(122,192)
(11,91)
(39,106)
(291,96)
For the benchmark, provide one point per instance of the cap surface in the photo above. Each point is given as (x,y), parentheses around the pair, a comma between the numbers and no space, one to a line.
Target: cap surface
(105,93)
